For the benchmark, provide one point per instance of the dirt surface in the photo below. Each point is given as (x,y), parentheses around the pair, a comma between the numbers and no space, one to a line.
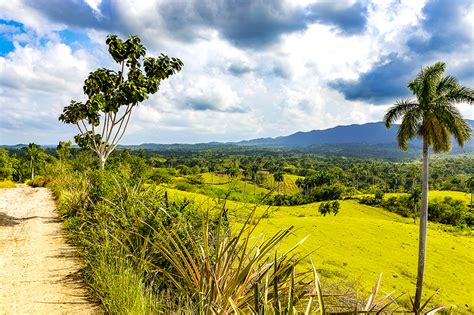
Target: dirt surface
(38,269)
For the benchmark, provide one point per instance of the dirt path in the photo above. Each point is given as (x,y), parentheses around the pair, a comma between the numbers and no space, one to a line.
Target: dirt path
(38,270)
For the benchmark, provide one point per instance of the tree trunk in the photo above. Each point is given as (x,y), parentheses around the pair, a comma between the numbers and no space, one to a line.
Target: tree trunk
(423,227)
(32,169)
(254,184)
(472,193)
(279,188)
(102,161)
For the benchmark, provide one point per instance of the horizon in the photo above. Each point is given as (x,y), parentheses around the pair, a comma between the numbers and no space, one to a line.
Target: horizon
(218,142)
(263,75)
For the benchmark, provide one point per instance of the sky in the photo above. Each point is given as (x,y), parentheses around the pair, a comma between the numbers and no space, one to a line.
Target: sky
(252,68)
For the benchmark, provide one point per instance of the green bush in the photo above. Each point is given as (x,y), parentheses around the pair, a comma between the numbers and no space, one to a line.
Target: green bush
(38,181)
(7,184)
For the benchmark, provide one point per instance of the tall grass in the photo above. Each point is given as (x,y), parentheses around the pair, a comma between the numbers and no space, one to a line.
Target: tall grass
(145,254)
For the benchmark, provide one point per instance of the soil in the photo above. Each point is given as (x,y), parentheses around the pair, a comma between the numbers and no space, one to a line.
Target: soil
(39,270)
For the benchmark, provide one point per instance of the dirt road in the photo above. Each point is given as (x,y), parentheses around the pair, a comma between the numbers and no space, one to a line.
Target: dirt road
(38,270)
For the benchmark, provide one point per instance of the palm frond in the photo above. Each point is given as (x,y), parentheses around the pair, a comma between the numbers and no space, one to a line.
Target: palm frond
(461,94)
(409,128)
(400,108)
(439,136)
(451,119)
(427,81)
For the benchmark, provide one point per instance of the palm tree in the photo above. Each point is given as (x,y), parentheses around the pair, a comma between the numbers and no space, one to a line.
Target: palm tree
(278,177)
(470,185)
(254,169)
(415,197)
(33,152)
(433,117)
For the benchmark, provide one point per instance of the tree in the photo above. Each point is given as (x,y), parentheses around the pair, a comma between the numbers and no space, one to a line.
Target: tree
(254,169)
(415,197)
(112,95)
(432,116)
(470,185)
(278,177)
(6,165)
(64,151)
(329,207)
(33,153)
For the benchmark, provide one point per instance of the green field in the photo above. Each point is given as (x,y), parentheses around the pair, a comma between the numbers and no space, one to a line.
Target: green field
(362,241)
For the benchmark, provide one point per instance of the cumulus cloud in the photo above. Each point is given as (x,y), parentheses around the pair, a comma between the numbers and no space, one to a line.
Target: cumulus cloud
(444,33)
(258,23)
(35,83)
(251,68)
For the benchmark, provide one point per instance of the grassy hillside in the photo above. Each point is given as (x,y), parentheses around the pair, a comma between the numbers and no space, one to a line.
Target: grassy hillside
(362,241)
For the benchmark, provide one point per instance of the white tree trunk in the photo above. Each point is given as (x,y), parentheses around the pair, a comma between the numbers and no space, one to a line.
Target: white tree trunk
(32,167)
(423,227)
(102,160)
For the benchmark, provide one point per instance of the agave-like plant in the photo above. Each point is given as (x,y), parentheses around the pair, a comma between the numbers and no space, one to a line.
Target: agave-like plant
(224,273)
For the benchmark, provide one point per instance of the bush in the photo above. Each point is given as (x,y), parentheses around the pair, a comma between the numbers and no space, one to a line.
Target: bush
(7,184)
(161,176)
(329,207)
(447,211)
(38,181)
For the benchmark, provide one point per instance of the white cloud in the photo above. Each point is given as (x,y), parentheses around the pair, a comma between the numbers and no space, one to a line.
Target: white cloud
(224,92)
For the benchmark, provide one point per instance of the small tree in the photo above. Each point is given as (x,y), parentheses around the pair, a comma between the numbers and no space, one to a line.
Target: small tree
(33,153)
(415,197)
(112,95)
(279,177)
(64,151)
(470,185)
(329,207)
(6,165)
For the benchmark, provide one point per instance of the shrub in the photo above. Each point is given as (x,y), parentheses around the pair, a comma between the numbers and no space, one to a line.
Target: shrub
(38,181)
(329,207)
(7,184)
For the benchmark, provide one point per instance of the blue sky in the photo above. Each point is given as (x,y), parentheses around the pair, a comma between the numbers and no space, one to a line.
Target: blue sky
(251,68)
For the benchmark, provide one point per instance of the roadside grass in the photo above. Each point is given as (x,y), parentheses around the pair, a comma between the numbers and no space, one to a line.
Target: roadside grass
(362,241)
(7,184)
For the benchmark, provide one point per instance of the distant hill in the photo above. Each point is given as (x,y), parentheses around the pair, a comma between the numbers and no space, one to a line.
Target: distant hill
(365,134)
(371,140)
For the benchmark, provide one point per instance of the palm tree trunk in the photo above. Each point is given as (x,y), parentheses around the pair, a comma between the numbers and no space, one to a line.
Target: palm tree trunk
(423,227)
(254,177)
(279,188)
(472,193)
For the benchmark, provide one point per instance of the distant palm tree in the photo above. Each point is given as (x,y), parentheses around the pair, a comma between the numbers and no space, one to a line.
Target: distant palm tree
(432,115)
(470,185)
(254,169)
(415,197)
(278,177)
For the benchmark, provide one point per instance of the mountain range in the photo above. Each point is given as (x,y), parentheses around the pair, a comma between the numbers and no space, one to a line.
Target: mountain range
(365,134)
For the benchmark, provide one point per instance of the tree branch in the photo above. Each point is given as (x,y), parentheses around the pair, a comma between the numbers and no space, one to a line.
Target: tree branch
(115,143)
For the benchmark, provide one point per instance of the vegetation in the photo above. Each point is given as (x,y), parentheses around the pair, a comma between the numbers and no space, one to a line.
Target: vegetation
(434,117)
(112,95)
(247,230)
